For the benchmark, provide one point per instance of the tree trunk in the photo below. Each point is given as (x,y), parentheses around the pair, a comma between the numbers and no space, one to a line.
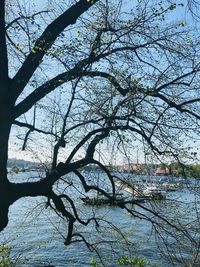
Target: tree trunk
(4,137)
(4,182)
(10,192)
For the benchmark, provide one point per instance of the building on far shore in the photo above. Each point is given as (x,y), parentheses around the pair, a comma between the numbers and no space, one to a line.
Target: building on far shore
(145,169)
(162,171)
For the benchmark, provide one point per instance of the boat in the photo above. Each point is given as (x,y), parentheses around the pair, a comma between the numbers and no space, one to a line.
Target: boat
(170,187)
(141,192)
(152,192)
(102,200)
(134,190)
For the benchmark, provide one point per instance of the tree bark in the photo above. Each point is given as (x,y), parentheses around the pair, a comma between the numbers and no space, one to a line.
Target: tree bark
(4,136)
(4,182)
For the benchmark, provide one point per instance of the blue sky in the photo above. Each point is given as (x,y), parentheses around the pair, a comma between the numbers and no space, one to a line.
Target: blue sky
(180,14)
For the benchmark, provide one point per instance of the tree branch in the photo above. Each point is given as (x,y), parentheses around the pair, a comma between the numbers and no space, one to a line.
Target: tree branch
(24,17)
(3,52)
(110,78)
(178,107)
(45,41)
(61,208)
(33,128)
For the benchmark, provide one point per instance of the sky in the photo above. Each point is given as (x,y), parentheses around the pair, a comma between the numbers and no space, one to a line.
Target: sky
(180,14)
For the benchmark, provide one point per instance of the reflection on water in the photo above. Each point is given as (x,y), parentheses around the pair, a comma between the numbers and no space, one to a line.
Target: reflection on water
(36,233)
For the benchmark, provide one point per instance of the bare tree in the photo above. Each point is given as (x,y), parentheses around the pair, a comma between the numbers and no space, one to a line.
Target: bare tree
(114,72)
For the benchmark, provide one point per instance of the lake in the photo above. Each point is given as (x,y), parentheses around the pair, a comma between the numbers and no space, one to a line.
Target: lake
(36,234)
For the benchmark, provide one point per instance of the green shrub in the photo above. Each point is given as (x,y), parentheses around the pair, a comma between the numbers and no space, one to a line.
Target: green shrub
(5,260)
(126,261)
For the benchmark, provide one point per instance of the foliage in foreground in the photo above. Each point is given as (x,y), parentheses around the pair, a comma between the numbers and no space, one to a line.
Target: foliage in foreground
(5,260)
(127,261)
